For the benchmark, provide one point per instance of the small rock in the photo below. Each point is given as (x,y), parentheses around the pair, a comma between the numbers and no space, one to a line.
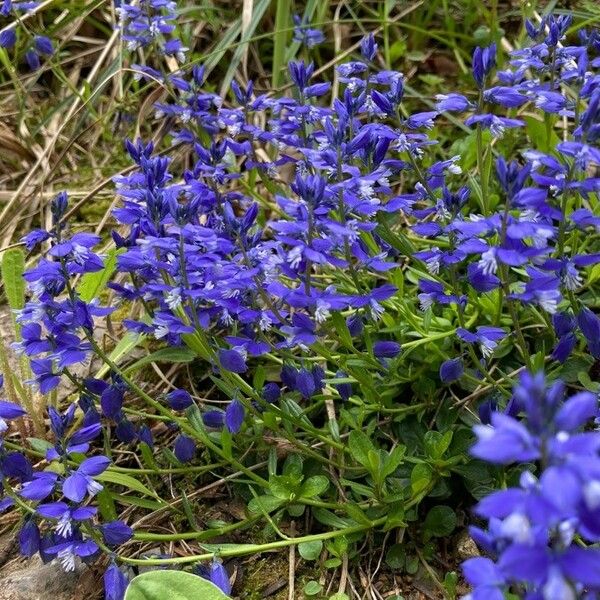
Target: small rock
(33,580)
(466,547)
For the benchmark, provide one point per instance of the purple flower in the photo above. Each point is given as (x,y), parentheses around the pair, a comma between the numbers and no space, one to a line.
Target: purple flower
(8,412)
(486,577)
(234,416)
(452,103)
(344,389)
(383,349)
(214,418)
(33,60)
(232,360)
(504,96)
(115,583)
(484,60)
(43,44)
(486,337)
(185,448)
(67,552)
(216,574)
(589,323)
(306,35)
(116,533)
(65,515)
(29,538)
(271,392)
(40,486)
(451,370)
(81,481)
(179,399)
(497,125)
(8,38)
(532,527)
(368,47)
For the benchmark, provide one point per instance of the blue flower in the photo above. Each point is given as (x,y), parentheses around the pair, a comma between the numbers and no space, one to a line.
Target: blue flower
(81,481)
(306,35)
(185,448)
(234,416)
(487,338)
(179,399)
(115,583)
(451,370)
(116,533)
(484,60)
(232,360)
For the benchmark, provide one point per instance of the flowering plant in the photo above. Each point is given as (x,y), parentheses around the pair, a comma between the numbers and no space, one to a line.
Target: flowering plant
(343,289)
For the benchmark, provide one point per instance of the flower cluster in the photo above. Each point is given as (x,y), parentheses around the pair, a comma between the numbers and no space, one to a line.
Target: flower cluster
(59,523)
(37,45)
(535,530)
(56,323)
(286,238)
(151,24)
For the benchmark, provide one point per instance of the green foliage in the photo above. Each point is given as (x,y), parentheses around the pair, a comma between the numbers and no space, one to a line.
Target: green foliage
(13,266)
(175,585)
(93,284)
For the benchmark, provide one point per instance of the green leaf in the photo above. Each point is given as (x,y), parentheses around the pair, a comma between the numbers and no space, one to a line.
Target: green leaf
(314,486)
(264,504)
(284,487)
(175,585)
(420,477)
(395,516)
(341,329)
(440,521)
(437,443)
(180,354)
(312,588)
(280,40)
(396,557)
(450,583)
(356,512)
(393,460)
(189,513)
(126,344)
(13,266)
(332,563)
(326,517)
(360,446)
(141,502)
(310,550)
(538,133)
(126,481)
(92,284)
(106,504)
(40,445)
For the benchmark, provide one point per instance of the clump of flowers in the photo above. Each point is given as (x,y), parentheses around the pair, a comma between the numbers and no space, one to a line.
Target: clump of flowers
(281,255)
(38,46)
(538,531)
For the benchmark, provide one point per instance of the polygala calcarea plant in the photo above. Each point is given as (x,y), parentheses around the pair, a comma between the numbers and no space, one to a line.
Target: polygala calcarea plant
(381,328)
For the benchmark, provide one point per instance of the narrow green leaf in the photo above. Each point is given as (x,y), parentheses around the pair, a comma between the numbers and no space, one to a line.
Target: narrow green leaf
(92,284)
(126,344)
(106,504)
(168,355)
(280,40)
(13,267)
(127,481)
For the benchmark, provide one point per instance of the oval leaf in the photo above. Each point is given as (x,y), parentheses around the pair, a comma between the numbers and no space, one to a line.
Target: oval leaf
(175,585)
